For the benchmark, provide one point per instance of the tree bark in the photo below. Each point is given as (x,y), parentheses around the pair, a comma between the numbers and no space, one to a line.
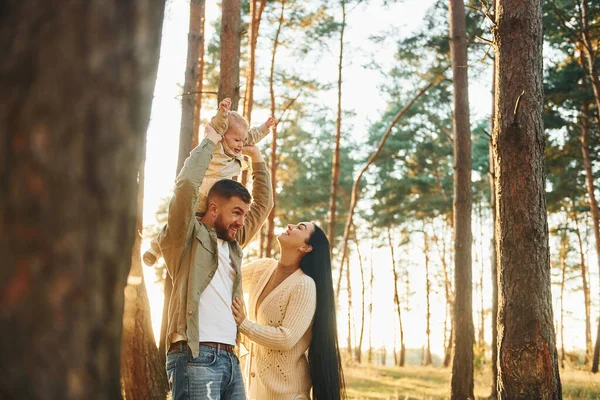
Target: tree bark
(229,74)
(193,76)
(72,129)
(335,168)
(273,158)
(142,369)
(527,359)
(462,365)
(256,9)
(397,300)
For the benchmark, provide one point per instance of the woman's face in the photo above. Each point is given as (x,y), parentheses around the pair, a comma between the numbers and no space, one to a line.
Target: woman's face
(296,236)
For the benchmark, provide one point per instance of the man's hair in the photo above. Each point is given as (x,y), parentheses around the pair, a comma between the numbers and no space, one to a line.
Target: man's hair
(239,119)
(228,188)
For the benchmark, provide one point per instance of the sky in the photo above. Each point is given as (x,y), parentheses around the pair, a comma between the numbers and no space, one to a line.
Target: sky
(360,94)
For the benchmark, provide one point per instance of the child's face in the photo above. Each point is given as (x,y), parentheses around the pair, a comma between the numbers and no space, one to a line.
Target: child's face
(235,137)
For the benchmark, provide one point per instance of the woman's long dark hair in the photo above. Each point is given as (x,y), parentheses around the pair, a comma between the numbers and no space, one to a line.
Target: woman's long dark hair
(324,353)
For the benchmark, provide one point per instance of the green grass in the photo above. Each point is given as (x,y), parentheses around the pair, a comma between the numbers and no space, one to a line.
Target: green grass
(431,383)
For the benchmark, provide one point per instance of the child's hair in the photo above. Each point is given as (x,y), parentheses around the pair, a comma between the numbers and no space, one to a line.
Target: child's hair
(238,118)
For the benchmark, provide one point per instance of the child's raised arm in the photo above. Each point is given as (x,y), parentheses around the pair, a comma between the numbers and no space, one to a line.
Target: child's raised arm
(256,134)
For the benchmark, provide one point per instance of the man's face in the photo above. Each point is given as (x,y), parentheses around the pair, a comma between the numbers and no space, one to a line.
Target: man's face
(235,136)
(230,217)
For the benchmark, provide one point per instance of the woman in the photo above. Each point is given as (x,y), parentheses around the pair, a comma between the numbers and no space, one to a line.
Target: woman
(292,309)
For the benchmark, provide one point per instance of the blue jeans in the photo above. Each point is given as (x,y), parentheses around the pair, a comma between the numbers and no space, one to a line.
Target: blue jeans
(214,375)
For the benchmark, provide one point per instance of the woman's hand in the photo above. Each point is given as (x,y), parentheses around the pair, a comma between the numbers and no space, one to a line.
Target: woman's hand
(239,310)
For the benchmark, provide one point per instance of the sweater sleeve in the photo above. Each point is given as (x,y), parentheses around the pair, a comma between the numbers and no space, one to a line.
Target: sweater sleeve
(248,271)
(256,134)
(298,317)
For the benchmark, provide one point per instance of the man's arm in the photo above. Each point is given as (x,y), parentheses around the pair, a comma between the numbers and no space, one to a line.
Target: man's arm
(262,195)
(182,207)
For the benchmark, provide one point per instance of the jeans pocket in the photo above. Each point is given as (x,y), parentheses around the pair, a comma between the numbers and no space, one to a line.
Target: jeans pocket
(205,358)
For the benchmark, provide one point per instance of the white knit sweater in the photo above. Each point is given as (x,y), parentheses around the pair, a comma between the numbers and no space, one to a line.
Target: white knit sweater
(277,367)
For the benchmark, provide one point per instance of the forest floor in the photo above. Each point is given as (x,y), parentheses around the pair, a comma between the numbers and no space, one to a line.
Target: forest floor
(432,383)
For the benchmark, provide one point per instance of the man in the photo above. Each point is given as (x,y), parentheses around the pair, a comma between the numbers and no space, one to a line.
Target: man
(203,257)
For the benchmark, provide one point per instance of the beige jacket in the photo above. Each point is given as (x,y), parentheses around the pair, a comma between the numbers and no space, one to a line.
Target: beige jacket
(189,247)
(277,368)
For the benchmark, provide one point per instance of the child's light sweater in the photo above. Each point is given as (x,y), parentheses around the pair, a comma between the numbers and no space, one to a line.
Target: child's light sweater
(277,367)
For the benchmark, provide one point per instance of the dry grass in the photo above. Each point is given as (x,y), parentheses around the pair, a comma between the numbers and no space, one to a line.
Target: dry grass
(431,383)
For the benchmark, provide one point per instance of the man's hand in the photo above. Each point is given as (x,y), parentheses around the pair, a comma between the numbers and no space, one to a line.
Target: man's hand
(239,310)
(212,135)
(253,152)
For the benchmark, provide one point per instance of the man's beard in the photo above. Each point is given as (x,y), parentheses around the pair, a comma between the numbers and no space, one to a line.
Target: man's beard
(222,230)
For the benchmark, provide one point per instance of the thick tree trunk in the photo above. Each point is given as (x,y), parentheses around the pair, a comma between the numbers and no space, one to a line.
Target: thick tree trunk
(335,167)
(397,299)
(142,369)
(256,9)
(273,158)
(462,365)
(527,359)
(193,76)
(358,350)
(72,129)
(231,30)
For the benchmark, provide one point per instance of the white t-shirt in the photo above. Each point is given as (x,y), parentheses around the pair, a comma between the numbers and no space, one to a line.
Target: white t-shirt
(215,318)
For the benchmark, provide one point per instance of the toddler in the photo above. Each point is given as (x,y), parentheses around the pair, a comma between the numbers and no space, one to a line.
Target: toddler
(227,161)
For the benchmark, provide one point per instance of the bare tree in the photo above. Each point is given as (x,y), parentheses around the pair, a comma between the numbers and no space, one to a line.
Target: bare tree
(256,9)
(397,304)
(72,130)
(358,350)
(273,157)
(462,365)
(335,169)
(527,359)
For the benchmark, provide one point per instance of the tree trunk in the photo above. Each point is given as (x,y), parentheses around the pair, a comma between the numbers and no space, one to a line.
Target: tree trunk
(72,128)
(256,9)
(462,365)
(586,294)
(448,337)
(397,299)
(273,158)
(349,292)
(142,369)
(358,350)
(190,83)
(427,358)
(200,11)
(371,279)
(563,270)
(527,359)
(481,339)
(335,168)
(493,258)
(229,74)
